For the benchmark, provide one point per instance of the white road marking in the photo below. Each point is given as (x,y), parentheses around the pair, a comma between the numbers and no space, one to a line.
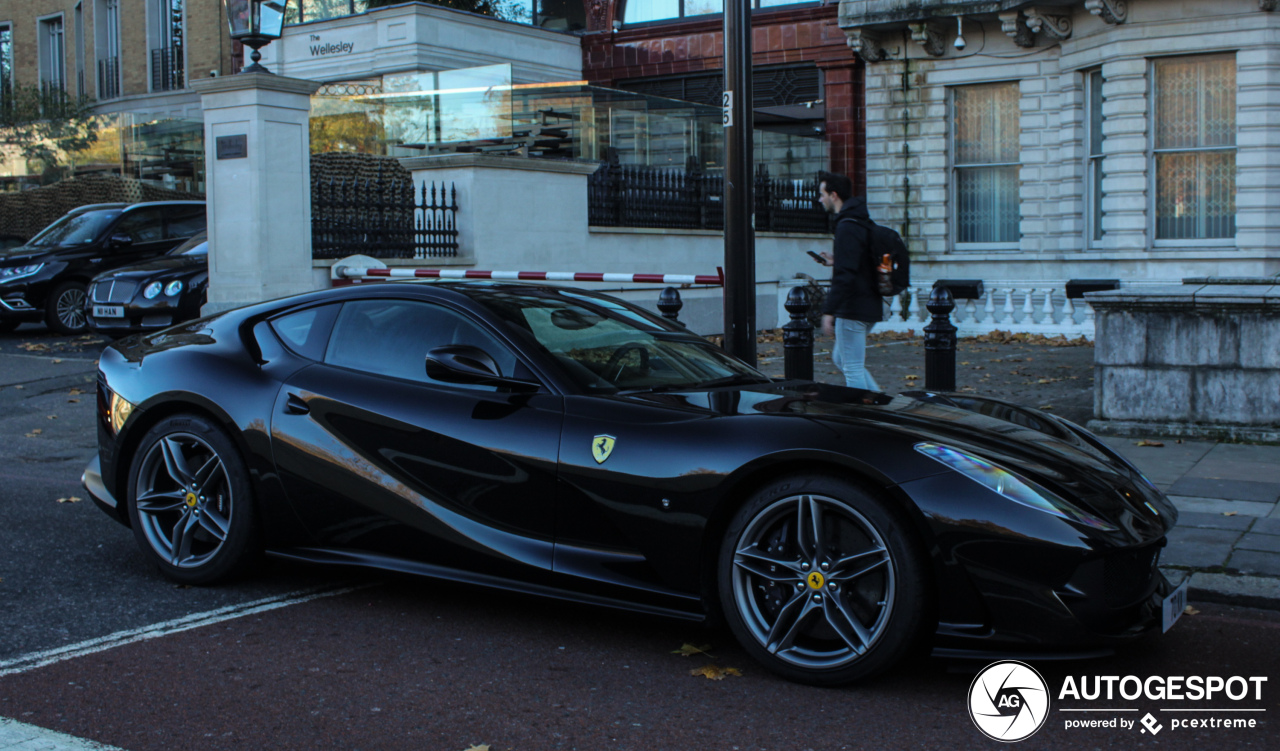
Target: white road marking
(120,638)
(19,736)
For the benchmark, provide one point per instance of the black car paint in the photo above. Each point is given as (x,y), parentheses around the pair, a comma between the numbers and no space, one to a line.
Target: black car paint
(78,263)
(464,484)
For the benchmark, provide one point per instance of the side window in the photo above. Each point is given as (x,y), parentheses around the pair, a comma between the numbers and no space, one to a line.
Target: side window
(142,226)
(184,221)
(392,337)
(306,331)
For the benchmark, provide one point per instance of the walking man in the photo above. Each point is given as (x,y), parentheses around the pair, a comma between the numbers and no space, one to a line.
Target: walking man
(853,305)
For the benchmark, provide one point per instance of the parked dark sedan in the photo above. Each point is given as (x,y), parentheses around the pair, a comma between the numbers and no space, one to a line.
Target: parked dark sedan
(567,444)
(151,295)
(46,279)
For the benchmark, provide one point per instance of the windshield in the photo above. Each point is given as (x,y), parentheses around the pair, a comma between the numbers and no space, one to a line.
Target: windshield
(196,246)
(606,346)
(75,229)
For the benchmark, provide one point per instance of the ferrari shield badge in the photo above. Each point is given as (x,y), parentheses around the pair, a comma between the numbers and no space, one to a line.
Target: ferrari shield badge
(601,447)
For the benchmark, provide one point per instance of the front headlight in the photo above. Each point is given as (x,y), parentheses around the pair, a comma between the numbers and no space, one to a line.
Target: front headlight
(1009,484)
(18,272)
(173,288)
(120,411)
(153,290)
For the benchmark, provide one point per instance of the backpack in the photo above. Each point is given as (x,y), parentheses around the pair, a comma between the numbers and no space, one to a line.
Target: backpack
(882,241)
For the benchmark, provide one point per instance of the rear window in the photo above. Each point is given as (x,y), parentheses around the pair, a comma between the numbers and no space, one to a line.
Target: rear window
(306,332)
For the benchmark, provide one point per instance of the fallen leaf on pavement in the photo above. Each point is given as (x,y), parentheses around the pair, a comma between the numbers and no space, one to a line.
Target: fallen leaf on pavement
(34,433)
(912,377)
(76,392)
(57,362)
(688,649)
(1230,513)
(53,417)
(481,747)
(714,672)
(1190,610)
(73,401)
(1145,442)
(69,499)
(1046,407)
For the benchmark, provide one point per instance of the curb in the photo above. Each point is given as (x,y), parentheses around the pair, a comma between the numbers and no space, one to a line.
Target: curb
(1249,591)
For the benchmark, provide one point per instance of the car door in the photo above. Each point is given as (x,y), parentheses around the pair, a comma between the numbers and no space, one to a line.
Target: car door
(376,456)
(145,229)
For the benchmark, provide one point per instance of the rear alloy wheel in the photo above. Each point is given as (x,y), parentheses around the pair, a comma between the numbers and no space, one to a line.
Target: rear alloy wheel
(64,310)
(821,582)
(190,502)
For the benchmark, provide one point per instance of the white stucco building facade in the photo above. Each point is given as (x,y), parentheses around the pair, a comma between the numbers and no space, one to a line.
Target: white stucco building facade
(1136,140)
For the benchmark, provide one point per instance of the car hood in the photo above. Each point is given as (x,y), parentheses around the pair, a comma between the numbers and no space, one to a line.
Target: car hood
(20,255)
(162,266)
(1048,450)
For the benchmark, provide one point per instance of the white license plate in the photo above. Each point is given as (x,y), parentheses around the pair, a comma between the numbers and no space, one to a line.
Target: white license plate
(108,311)
(1175,603)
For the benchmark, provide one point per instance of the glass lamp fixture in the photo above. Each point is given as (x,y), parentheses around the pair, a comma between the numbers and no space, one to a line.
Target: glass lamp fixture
(255,24)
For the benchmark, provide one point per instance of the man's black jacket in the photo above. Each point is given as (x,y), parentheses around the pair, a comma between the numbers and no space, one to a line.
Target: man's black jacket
(853,292)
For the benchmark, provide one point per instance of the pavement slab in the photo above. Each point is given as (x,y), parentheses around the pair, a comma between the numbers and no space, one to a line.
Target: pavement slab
(1201,548)
(1255,562)
(1220,506)
(1258,541)
(1214,521)
(1268,526)
(1236,490)
(1163,465)
(1234,461)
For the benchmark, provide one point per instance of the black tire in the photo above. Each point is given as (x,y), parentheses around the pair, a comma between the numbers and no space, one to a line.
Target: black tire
(8,325)
(192,511)
(64,311)
(840,609)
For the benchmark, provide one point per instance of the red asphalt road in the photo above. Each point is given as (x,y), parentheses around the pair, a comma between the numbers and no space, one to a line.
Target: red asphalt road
(426,666)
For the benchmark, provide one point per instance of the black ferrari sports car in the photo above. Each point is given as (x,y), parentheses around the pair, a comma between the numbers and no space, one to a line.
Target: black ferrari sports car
(564,443)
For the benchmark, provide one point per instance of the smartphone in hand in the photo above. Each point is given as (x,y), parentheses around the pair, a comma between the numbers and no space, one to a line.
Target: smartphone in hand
(817,257)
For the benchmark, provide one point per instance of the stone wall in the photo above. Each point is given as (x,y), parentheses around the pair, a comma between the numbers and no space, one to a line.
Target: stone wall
(1192,359)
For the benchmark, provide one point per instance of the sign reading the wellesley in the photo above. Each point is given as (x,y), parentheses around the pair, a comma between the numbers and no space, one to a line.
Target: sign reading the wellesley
(321,49)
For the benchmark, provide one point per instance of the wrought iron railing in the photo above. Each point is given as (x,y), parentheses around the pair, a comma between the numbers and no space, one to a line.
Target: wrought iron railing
(109,78)
(167,72)
(383,218)
(623,196)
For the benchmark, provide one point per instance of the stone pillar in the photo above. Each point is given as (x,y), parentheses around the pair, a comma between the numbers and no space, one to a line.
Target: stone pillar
(258,176)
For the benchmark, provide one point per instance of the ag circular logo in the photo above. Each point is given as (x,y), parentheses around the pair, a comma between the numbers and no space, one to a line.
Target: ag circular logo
(1008,701)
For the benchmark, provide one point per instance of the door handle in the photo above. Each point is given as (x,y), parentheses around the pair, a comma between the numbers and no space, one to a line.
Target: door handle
(294,405)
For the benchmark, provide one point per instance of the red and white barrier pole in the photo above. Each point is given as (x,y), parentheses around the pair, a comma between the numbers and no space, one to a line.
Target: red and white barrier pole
(343,270)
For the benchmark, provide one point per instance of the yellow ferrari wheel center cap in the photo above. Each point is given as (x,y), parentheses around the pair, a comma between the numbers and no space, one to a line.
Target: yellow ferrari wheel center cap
(816,580)
(191,500)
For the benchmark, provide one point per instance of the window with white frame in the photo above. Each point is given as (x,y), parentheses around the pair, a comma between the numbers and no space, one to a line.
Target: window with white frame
(1093,155)
(1194,147)
(53,53)
(985,141)
(107,43)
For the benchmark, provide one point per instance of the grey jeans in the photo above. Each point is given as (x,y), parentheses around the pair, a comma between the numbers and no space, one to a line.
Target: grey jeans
(850,353)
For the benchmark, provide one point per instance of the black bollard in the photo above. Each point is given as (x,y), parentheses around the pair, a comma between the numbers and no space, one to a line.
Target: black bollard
(940,343)
(797,337)
(669,304)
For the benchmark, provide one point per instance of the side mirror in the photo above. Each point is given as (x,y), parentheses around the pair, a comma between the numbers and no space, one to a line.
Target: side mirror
(463,363)
(121,241)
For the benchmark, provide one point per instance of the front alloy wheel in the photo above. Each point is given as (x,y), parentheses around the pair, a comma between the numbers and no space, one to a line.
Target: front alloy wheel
(65,313)
(820,581)
(189,501)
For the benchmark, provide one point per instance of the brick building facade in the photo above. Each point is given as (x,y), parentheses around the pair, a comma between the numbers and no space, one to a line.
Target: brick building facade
(798,50)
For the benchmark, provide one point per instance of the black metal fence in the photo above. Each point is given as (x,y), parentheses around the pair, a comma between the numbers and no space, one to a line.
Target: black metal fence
(109,78)
(167,73)
(623,196)
(383,218)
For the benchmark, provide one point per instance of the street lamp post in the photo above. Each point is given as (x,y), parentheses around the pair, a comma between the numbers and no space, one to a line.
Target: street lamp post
(255,23)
